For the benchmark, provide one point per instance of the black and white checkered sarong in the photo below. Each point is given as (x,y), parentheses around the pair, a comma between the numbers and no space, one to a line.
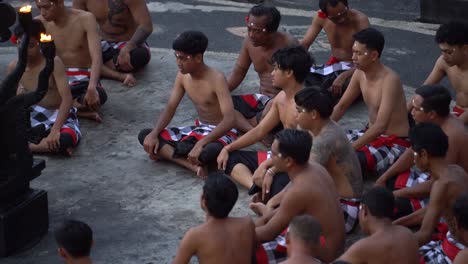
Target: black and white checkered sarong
(272,252)
(441,252)
(329,69)
(350,208)
(47,117)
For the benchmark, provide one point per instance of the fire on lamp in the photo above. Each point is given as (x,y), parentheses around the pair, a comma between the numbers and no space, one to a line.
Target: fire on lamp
(45,38)
(25,16)
(25,9)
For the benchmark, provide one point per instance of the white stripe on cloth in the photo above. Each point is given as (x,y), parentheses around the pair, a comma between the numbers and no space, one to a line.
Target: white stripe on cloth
(47,117)
(72,78)
(351,212)
(433,252)
(329,69)
(200,129)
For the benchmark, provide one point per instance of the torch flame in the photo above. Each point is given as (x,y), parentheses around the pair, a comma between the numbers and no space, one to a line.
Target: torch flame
(45,38)
(25,9)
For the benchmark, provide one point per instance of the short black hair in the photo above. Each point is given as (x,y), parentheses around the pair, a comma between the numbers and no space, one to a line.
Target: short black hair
(430,137)
(460,211)
(306,228)
(271,12)
(311,98)
(75,237)
(324,3)
(35,32)
(372,38)
(453,33)
(380,202)
(436,98)
(294,58)
(220,195)
(295,144)
(191,42)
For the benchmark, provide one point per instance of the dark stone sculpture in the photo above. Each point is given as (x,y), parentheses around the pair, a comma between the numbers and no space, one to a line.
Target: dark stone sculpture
(23,211)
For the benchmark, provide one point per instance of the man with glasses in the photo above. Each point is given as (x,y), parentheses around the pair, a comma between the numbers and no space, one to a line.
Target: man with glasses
(54,123)
(339,23)
(386,243)
(193,147)
(312,192)
(384,139)
(261,42)
(452,39)
(431,103)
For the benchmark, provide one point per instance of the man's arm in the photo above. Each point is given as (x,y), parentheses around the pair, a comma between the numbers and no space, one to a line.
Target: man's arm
(79,4)
(187,248)
(348,97)
(240,68)
(403,163)
(419,191)
(90,26)
(433,213)
(313,31)
(357,251)
(387,104)
(437,73)
(413,219)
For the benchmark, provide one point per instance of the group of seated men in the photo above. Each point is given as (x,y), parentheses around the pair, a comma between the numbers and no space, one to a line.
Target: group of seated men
(311,180)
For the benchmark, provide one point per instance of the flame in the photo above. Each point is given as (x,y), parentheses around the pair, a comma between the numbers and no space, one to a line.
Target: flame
(25,9)
(45,38)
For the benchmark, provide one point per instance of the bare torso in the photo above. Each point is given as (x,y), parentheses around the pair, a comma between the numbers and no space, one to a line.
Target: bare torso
(372,94)
(29,81)
(227,241)
(459,81)
(320,200)
(115,20)
(203,95)
(72,48)
(458,140)
(260,58)
(340,36)
(332,147)
(287,110)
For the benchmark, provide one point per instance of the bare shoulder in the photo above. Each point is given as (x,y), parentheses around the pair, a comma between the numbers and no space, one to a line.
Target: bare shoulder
(455,169)
(83,15)
(391,75)
(441,64)
(360,16)
(462,257)
(288,39)
(12,65)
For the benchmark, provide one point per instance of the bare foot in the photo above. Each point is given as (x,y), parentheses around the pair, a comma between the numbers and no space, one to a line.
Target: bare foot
(258,208)
(129,80)
(90,115)
(202,172)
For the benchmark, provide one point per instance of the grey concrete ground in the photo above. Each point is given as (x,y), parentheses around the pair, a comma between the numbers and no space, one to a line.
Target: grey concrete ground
(140,209)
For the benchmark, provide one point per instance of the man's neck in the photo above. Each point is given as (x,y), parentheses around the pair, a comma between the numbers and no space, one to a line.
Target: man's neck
(302,253)
(379,224)
(296,170)
(62,17)
(374,70)
(271,43)
(437,166)
(464,66)
(83,260)
(440,121)
(199,72)
(292,89)
(319,124)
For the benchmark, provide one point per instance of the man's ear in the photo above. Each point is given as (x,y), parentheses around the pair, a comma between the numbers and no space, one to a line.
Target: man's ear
(374,55)
(289,73)
(198,58)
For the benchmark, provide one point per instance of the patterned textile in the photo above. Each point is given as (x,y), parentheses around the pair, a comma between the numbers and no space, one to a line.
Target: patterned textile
(106,45)
(46,117)
(350,208)
(440,252)
(250,104)
(382,152)
(199,131)
(411,178)
(331,68)
(78,75)
(457,111)
(272,252)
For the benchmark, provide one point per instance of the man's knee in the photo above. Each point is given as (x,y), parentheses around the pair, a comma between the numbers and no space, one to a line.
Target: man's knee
(210,152)
(139,57)
(142,135)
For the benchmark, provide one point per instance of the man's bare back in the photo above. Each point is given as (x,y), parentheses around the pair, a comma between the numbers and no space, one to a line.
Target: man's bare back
(229,240)
(458,138)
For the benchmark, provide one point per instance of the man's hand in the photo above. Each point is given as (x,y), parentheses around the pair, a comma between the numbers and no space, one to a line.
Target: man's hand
(223,159)
(123,60)
(337,85)
(267,180)
(380,182)
(53,141)
(151,145)
(195,153)
(129,80)
(258,175)
(91,98)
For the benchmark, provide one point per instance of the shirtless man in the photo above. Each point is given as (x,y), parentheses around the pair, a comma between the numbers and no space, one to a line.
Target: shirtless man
(261,42)
(124,26)
(460,211)
(430,145)
(75,240)
(193,147)
(340,23)
(385,139)
(386,243)
(303,240)
(79,52)
(290,66)
(53,119)
(453,63)
(221,239)
(312,192)
(429,104)
(330,148)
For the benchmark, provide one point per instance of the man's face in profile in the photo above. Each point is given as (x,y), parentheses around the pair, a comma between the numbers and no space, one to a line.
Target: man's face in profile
(338,14)
(256,30)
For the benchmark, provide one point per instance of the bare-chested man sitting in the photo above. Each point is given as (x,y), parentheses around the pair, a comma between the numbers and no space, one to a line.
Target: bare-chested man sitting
(431,103)
(430,145)
(303,240)
(330,148)
(77,41)
(124,26)
(380,144)
(453,63)
(311,192)
(340,23)
(290,66)
(221,239)
(53,119)
(261,42)
(386,243)
(194,147)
